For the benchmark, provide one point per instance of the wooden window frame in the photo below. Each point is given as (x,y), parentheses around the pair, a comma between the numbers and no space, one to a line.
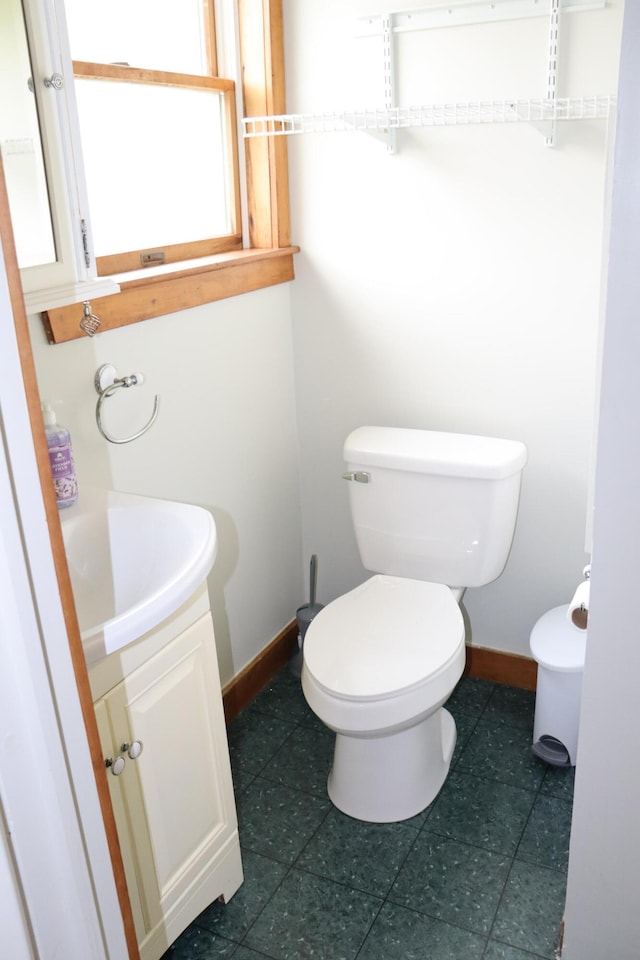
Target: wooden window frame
(156,291)
(123,262)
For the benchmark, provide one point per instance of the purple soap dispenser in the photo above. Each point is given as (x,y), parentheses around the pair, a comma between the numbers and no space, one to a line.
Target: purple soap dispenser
(60,458)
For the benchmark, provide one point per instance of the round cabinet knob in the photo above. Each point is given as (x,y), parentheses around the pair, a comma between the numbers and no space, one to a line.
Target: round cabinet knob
(133,749)
(116,766)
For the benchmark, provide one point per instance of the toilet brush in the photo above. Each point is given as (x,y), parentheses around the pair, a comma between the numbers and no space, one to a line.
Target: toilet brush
(304,616)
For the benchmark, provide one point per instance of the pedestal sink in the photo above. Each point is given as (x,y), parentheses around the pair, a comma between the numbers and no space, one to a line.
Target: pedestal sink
(133,561)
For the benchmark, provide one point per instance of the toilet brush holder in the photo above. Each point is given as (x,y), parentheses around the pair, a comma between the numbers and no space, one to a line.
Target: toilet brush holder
(304,616)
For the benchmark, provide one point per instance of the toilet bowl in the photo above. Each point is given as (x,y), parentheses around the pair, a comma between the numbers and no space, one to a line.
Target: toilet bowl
(433,513)
(379,663)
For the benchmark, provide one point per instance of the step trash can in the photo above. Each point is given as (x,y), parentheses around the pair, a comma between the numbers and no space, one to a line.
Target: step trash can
(559,649)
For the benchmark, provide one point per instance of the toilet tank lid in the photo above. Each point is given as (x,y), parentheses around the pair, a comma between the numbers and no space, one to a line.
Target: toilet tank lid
(430,451)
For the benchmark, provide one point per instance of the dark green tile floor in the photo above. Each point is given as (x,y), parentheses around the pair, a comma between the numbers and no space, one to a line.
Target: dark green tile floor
(479,875)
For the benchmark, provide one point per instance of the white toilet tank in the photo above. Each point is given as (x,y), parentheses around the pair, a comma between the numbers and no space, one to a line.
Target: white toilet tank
(433,506)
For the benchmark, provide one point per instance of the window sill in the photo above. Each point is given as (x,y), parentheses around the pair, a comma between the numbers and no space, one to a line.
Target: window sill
(157,291)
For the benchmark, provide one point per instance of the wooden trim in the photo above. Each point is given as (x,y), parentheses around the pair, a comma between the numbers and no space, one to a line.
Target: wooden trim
(263,91)
(115,263)
(233,164)
(60,561)
(483,663)
(501,667)
(86,70)
(147,296)
(240,691)
(278,146)
(210,40)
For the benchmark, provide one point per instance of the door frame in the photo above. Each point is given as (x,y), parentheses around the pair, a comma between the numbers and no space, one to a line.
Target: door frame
(54,801)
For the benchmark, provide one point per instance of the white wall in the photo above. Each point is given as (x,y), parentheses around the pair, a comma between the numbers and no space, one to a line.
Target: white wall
(455,285)
(602,917)
(224,439)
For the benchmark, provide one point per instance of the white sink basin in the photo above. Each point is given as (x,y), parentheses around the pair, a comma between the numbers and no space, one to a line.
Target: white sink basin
(133,561)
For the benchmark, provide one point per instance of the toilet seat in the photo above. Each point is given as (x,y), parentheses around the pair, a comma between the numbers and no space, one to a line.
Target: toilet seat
(378,665)
(384,639)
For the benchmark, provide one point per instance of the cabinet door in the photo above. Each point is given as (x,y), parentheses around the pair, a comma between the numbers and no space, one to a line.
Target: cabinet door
(178,793)
(115,781)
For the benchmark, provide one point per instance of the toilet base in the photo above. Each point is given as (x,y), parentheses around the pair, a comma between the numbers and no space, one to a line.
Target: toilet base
(386,779)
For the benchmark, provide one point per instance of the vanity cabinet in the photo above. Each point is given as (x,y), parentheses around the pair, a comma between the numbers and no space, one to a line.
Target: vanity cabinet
(167,763)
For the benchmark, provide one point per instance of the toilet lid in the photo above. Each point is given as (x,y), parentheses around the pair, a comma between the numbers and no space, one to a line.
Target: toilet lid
(384,637)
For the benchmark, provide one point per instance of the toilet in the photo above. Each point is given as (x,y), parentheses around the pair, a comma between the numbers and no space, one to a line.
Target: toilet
(433,513)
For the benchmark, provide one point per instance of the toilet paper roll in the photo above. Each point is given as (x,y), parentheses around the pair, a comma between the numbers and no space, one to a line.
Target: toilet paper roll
(578,610)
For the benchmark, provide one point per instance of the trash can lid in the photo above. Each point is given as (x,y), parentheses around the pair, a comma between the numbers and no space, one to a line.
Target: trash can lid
(557,644)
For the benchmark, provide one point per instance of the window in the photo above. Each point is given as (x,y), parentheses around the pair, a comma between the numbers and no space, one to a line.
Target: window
(162,183)
(185,232)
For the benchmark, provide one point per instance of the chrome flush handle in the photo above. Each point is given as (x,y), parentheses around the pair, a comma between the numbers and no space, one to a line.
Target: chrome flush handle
(360,476)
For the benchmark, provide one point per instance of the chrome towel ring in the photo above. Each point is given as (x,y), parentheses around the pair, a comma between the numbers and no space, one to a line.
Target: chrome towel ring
(106,382)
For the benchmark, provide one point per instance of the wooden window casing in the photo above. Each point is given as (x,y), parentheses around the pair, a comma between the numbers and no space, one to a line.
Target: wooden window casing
(131,260)
(268,260)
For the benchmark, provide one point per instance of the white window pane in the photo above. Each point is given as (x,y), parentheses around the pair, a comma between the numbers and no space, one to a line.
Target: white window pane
(151,34)
(154,162)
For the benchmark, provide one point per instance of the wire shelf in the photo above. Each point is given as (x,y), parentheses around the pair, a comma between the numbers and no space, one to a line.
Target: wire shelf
(432,115)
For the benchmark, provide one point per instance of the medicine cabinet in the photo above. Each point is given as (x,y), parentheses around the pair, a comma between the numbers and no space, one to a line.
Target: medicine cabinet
(41,158)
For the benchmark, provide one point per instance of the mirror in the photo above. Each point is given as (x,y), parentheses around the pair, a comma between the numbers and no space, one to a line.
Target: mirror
(21,144)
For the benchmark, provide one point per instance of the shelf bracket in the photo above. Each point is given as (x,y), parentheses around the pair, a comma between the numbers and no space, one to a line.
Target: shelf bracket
(552,72)
(387,134)
(389,76)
